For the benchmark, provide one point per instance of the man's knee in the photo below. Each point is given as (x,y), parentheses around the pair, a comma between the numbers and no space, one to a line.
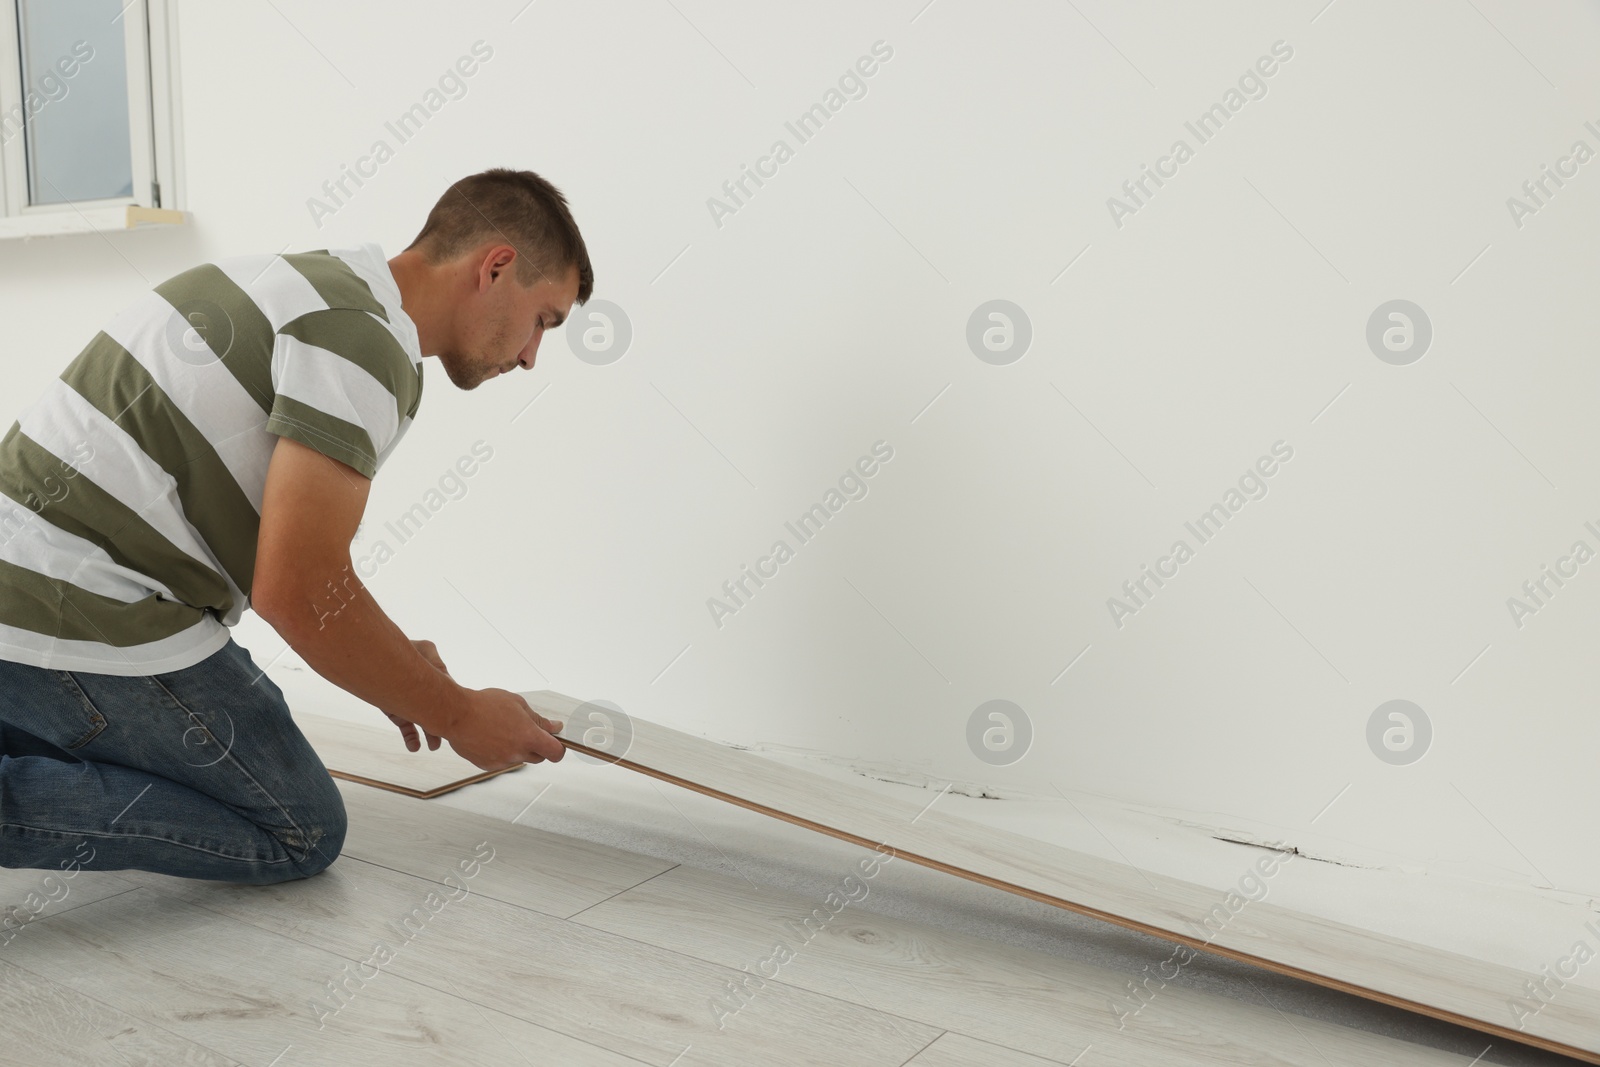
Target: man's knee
(318,838)
(325,840)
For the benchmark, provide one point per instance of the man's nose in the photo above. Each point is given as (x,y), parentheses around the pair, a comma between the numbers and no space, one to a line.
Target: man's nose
(530,353)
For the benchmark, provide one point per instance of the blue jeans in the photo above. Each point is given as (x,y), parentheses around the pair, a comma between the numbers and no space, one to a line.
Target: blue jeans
(200,773)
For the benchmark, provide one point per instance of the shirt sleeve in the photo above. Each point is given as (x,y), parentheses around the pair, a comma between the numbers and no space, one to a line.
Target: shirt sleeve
(343,386)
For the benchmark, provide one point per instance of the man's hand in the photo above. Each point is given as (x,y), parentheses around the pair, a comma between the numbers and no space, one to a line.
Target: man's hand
(496,723)
(497,729)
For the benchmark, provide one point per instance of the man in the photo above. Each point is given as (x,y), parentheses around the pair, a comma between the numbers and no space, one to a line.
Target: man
(216,444)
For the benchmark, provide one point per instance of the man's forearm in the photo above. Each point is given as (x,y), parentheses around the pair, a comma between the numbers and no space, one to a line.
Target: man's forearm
(342,633)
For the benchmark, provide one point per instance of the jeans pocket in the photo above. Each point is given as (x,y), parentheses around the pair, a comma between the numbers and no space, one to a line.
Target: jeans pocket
(93,721)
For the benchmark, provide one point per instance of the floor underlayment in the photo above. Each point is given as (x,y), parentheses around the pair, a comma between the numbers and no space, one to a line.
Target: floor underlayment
(649,817)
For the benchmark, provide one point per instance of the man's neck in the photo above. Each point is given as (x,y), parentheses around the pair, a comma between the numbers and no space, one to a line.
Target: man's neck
(423,297)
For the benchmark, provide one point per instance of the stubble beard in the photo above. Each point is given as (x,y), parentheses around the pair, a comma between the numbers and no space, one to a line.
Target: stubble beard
(462,372)
(467,373)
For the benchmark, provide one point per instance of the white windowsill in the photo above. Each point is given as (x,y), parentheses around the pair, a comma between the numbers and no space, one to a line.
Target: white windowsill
(92,220)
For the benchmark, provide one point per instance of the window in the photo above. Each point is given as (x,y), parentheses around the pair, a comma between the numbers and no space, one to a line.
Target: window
(89,138)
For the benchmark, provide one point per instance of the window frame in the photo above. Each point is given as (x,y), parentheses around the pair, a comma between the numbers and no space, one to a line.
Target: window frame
(150,36)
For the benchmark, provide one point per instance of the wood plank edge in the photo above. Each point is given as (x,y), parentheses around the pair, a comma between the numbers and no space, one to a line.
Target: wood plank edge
(421,794)
(376,784)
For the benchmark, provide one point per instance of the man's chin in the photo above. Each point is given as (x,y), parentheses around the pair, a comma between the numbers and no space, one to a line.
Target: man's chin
(467,382)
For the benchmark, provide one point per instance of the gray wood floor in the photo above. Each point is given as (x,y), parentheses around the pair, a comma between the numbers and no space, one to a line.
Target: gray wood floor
(446,937)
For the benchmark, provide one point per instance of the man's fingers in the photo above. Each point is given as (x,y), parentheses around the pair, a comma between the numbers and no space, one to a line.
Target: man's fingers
(408,731)
(547,747)
(543,745)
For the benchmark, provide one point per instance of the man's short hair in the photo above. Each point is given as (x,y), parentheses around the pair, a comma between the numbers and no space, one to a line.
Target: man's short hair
(514,206)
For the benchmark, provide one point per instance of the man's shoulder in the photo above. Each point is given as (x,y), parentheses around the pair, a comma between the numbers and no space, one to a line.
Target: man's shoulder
(360,341)
(333,276)
(273,289)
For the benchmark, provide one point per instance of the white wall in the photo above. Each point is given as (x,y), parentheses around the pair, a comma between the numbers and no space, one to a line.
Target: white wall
(829,311)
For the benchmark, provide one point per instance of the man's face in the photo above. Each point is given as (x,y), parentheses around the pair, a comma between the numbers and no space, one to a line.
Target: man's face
(504,323)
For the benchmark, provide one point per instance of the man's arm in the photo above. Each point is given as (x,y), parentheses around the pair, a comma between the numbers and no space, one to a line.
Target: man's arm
(307,588)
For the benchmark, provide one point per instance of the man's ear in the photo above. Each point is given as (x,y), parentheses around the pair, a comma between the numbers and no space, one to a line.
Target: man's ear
(498,261)
(487,265)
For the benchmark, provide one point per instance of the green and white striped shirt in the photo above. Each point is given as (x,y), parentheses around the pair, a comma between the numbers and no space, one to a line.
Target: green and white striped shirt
(130,492)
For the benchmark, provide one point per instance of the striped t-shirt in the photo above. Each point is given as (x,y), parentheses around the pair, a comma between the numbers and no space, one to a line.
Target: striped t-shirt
(130,492)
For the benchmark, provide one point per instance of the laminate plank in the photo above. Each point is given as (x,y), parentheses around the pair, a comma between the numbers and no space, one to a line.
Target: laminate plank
(614,992)
(1431,981)
(28,894)
(543,871)
(376,756)
(262,999)
(49,1025)
(1028,1001)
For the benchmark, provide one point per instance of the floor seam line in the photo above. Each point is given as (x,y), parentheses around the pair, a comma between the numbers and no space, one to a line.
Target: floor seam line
(619,892)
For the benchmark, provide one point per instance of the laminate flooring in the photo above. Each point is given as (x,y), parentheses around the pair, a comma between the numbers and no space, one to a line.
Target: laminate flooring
(445,936)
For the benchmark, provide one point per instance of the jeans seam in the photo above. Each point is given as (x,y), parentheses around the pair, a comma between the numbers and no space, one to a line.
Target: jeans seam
(141,837)
(97,721)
